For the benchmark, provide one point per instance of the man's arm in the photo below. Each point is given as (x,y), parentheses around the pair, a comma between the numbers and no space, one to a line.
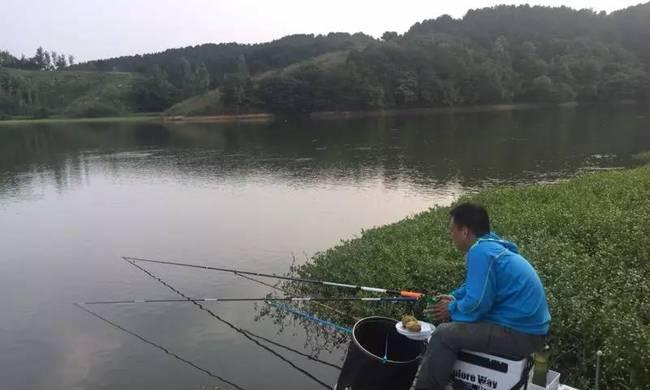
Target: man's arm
(479,288)
(459,293)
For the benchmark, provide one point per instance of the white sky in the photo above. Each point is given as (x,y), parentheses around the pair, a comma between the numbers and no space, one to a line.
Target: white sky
(92,29)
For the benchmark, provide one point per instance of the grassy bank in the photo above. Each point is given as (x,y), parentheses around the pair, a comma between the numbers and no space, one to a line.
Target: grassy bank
(588,239)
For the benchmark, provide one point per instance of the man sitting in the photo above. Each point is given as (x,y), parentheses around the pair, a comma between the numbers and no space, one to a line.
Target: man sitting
(500,308)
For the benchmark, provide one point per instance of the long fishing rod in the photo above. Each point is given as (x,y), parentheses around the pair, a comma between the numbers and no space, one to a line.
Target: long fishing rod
(402,293)
(269,299)
(287,293)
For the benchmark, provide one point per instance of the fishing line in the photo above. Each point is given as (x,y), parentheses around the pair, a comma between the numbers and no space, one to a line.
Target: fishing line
(167,351)
(311,317)
(308,356)
(243,332)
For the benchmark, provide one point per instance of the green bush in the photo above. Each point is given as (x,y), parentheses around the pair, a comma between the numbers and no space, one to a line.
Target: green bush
(588,238)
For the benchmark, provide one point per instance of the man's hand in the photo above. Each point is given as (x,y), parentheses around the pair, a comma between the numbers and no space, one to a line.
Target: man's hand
(438,312)
(445,297)
(441,311)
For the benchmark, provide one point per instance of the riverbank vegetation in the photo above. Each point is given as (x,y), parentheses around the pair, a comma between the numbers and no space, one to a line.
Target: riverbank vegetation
(498,55)
(588,239)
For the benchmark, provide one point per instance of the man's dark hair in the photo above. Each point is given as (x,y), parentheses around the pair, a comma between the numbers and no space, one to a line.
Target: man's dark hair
(472,216)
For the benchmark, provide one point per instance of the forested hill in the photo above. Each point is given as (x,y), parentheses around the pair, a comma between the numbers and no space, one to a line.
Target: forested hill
(502,54)
(493,55)
(221,59)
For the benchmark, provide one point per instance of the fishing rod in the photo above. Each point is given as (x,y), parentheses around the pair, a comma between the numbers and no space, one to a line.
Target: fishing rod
(402,293)
(287,293)
(269,299)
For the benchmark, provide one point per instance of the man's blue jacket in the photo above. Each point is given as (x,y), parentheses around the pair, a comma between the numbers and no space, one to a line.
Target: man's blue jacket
(501,287)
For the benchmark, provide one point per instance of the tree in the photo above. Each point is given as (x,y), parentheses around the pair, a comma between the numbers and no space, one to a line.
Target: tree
(47,61)
(389,36)
(201,79)
(233,92)
(546,90)
(618,86)
(542,88)
(285,94)
(6,59)
(186,84)
(528,63)
(40,59)
(242,66)
(406,90)
(54,58)
(60,62)
(154,92)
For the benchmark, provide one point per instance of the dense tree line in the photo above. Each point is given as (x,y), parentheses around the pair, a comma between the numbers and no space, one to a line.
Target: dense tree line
(503,54)
(42,60)
(495,55)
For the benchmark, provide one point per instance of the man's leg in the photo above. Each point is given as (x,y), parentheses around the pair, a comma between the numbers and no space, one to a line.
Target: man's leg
(451,337)
(442,351)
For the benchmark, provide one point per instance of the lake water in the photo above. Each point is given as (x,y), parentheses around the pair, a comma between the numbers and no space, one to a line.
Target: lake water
(74,198)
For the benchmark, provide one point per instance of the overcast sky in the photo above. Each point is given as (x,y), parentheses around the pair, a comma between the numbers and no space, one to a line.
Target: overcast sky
(92,29)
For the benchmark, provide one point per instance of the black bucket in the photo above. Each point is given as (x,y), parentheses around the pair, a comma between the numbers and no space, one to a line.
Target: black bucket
(365,367)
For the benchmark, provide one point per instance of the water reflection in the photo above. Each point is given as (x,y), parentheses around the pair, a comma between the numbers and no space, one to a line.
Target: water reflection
(421,151)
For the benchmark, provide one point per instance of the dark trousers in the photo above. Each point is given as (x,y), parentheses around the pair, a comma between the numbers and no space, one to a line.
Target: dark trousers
(449,338)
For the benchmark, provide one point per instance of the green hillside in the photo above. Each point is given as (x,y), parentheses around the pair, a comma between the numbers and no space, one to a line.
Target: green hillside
(69,93)
(212,102)
(209,103)
(495,55)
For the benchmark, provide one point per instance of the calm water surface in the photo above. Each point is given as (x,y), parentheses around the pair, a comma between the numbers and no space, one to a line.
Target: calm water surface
(74,198)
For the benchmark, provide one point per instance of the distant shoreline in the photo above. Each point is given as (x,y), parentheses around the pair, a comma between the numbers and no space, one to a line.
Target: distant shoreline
(322,115)
(126,118)
(256,117)
(431,110)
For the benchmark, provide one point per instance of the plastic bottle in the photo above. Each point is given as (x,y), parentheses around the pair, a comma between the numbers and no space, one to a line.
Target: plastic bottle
(542,362)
